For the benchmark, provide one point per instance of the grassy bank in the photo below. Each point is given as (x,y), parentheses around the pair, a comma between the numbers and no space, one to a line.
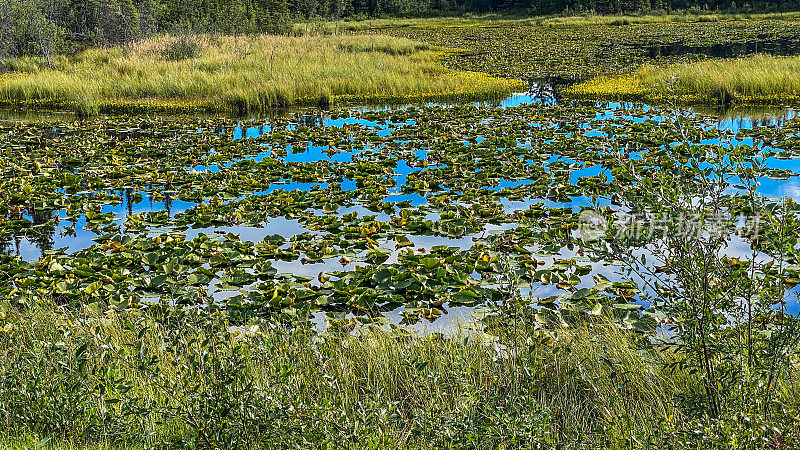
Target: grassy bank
(156,378)
(139,379)
(759,79)
(244,73)
(685,17)
(489,20)
(585,47)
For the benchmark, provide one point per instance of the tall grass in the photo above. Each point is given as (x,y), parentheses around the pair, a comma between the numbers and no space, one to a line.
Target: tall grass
(323,27)
(613,20)
(248,73)
(758,79)
(85,379)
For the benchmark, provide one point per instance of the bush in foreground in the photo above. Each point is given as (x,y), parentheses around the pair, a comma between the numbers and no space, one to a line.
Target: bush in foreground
(178,378)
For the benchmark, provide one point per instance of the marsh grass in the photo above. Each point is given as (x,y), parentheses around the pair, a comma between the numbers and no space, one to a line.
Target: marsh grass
(494,20)
(376,387)
(758,79)
(617,20)
(29,441)
(246,73)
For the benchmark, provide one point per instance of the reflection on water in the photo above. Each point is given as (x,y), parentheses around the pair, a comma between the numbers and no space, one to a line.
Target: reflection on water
(71,235)
(781,46)
(747,118)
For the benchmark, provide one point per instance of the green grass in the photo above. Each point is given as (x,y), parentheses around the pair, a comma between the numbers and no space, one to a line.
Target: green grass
(686,17)
(77,379)
(74,379)
(759,79)
(490,20)
(584,47)
(375,388)
(246,73)
(28,441)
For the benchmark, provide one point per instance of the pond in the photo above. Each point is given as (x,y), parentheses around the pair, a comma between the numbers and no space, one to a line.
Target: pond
(782,46)
(411,214)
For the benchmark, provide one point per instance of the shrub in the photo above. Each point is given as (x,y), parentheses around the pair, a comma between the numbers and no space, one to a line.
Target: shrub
(181,48)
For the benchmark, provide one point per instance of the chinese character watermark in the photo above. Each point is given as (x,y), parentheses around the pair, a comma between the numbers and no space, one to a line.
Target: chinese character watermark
(646,225)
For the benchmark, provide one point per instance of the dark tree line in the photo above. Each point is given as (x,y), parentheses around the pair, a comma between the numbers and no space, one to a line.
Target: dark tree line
(644,6)
(45,27)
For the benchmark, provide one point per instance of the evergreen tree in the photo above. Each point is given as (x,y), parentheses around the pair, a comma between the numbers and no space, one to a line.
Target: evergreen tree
(45,27)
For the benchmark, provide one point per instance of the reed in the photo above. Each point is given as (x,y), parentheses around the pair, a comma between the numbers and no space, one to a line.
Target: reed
(494,20)
(758,79)
(685,17)
(376,387)
(246,73)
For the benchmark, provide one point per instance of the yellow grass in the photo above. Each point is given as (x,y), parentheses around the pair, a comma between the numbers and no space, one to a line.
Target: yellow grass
(758,79)
(613,20)
(249,73)
(544,21)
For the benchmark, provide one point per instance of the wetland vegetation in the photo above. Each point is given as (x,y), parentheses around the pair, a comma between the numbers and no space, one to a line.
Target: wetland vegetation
(412,256)
(579,49)
(247,273)
(218,73)
(760,79)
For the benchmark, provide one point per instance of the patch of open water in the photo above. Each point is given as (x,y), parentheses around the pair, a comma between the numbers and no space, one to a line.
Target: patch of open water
(72,236)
